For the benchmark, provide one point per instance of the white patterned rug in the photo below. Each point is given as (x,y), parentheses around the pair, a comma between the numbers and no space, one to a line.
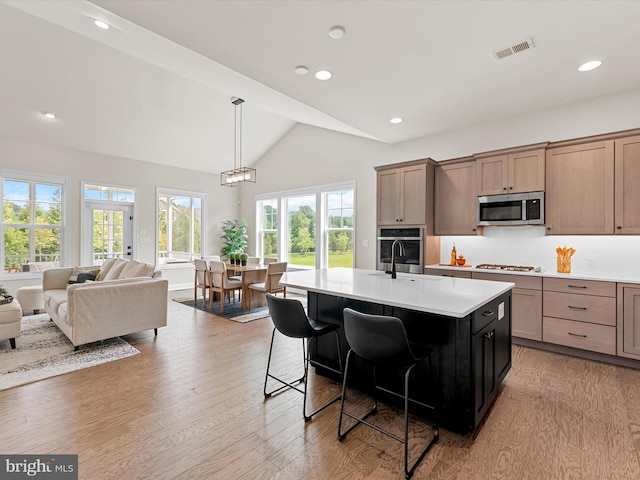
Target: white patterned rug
(43,351)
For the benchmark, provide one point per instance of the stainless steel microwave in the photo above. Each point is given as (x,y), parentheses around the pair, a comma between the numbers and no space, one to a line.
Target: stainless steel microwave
(511,209)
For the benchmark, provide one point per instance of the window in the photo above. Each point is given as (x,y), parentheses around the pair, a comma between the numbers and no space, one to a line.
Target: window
(339,228)
(180,229)
(317,230)
(108,223)
(268,228)
(32,220)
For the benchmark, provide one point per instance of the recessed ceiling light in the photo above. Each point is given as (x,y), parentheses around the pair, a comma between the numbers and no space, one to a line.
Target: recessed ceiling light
(101,24)
(323,75)
(396,120)
(585,67)
(337,32)
(49,115)
(301,70)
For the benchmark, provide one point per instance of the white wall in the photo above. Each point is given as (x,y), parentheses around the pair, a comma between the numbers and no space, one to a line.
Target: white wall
(78,166)
(313,156)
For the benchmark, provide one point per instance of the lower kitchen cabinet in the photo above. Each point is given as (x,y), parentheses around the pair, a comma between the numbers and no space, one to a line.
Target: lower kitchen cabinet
(629,321)
(448,273)
(580,314)
(526,303)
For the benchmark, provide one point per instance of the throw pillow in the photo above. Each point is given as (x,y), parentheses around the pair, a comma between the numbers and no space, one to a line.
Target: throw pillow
(81,276)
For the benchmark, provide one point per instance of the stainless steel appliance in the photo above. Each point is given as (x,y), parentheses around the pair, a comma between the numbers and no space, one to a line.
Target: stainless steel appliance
(409,250)
(511,209)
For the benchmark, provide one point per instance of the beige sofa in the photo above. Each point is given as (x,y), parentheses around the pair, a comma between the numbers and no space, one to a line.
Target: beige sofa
(126,297)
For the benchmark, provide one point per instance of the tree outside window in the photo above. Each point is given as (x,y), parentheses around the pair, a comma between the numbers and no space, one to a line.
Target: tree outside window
(31,222)
(179,227)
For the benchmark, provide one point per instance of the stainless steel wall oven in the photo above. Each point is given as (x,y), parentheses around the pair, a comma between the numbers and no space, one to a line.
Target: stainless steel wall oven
(409,251)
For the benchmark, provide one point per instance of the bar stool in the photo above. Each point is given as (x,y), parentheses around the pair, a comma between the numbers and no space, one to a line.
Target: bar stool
(382,340)
(290,319)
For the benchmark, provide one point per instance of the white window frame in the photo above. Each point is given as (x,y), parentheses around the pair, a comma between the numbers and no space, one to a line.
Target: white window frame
(64,204)
(86,227)
(203,227)
(322,237)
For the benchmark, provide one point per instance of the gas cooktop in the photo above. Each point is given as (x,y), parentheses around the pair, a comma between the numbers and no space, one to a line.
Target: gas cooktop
(512,268)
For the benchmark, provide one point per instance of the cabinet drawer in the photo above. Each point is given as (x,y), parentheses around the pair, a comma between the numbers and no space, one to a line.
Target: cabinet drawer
(582,287)
(601,310)
(586,336)
(521,281)
(484,316)
(448,273)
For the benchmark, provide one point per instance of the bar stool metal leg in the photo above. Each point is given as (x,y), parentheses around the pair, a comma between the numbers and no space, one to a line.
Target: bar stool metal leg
(303,380)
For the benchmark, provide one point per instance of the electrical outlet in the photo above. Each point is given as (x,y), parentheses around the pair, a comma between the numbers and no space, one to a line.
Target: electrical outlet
(365,243)
(591,262)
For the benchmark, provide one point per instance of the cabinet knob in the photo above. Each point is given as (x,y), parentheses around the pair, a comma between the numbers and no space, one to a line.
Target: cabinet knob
(619,227)
(510,188)
(504,188)
(548,228)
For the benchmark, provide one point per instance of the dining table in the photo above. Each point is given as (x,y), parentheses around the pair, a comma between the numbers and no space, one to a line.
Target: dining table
(250,273)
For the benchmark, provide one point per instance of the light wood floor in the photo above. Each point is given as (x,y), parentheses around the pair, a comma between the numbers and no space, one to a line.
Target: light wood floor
(190,406)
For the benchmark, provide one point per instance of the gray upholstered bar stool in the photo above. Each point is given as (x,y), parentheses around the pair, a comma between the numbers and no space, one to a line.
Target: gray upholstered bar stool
(382,340)
(290,319)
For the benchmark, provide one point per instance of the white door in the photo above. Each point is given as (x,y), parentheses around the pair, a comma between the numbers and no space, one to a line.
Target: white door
(108,232)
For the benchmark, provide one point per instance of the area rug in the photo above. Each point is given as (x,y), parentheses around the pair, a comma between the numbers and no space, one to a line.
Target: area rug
(43,351)
(232,311)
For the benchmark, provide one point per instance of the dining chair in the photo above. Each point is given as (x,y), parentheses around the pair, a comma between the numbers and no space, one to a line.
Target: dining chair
(271,282)
(268,260)
(381,340)
(253,260)
(221,284)
(290,319)
(201,280)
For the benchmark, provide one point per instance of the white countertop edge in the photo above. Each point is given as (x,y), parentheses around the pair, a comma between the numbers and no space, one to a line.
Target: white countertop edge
(619,277)
(492,292)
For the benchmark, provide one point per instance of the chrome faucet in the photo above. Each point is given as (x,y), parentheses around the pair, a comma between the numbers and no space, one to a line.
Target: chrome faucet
(393,255)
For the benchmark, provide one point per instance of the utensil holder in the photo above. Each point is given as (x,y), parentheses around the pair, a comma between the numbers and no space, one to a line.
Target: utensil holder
(564,263)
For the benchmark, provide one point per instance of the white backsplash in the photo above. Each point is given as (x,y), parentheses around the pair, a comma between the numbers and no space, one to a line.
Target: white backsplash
(528,245)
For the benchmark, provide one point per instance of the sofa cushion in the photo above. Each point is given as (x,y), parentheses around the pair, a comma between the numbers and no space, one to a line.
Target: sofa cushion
(105,268)
(116,269)
(54,298)
(133,269)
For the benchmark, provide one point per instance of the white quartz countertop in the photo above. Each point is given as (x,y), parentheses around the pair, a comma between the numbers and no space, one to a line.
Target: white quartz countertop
(619,275)
(452,297)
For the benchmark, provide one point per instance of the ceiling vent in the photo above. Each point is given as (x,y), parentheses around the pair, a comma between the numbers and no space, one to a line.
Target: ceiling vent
(513,49)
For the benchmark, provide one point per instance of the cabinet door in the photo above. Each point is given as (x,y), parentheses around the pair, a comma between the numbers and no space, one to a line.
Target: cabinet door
(579,189)
(527,313)
(389,197)
(455,199)
(493,174)
(484,368)
(526,171)
(627,173)
(413,196)
(631,323)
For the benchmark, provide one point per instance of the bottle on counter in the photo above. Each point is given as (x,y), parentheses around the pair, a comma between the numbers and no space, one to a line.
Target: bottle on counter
(454,255)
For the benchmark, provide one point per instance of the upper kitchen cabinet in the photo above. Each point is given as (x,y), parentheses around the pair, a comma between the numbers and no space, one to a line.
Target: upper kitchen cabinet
(405,193)
(455,197)
(627,179)
(514,170)
(579,193)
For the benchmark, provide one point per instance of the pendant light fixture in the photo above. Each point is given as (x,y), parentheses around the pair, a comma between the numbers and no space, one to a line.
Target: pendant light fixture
(239,174)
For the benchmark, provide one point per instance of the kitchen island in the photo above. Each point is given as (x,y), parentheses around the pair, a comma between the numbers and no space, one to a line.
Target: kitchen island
(467,323)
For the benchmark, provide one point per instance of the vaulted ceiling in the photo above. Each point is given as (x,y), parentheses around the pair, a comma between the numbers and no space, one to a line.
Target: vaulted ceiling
(157,85)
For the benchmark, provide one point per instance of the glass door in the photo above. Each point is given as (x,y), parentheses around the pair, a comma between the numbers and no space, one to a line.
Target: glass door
(109,232)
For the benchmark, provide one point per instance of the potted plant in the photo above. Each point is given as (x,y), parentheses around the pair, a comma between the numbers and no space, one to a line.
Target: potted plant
(232,258)
(4,296)
(243,258)
(234,237)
